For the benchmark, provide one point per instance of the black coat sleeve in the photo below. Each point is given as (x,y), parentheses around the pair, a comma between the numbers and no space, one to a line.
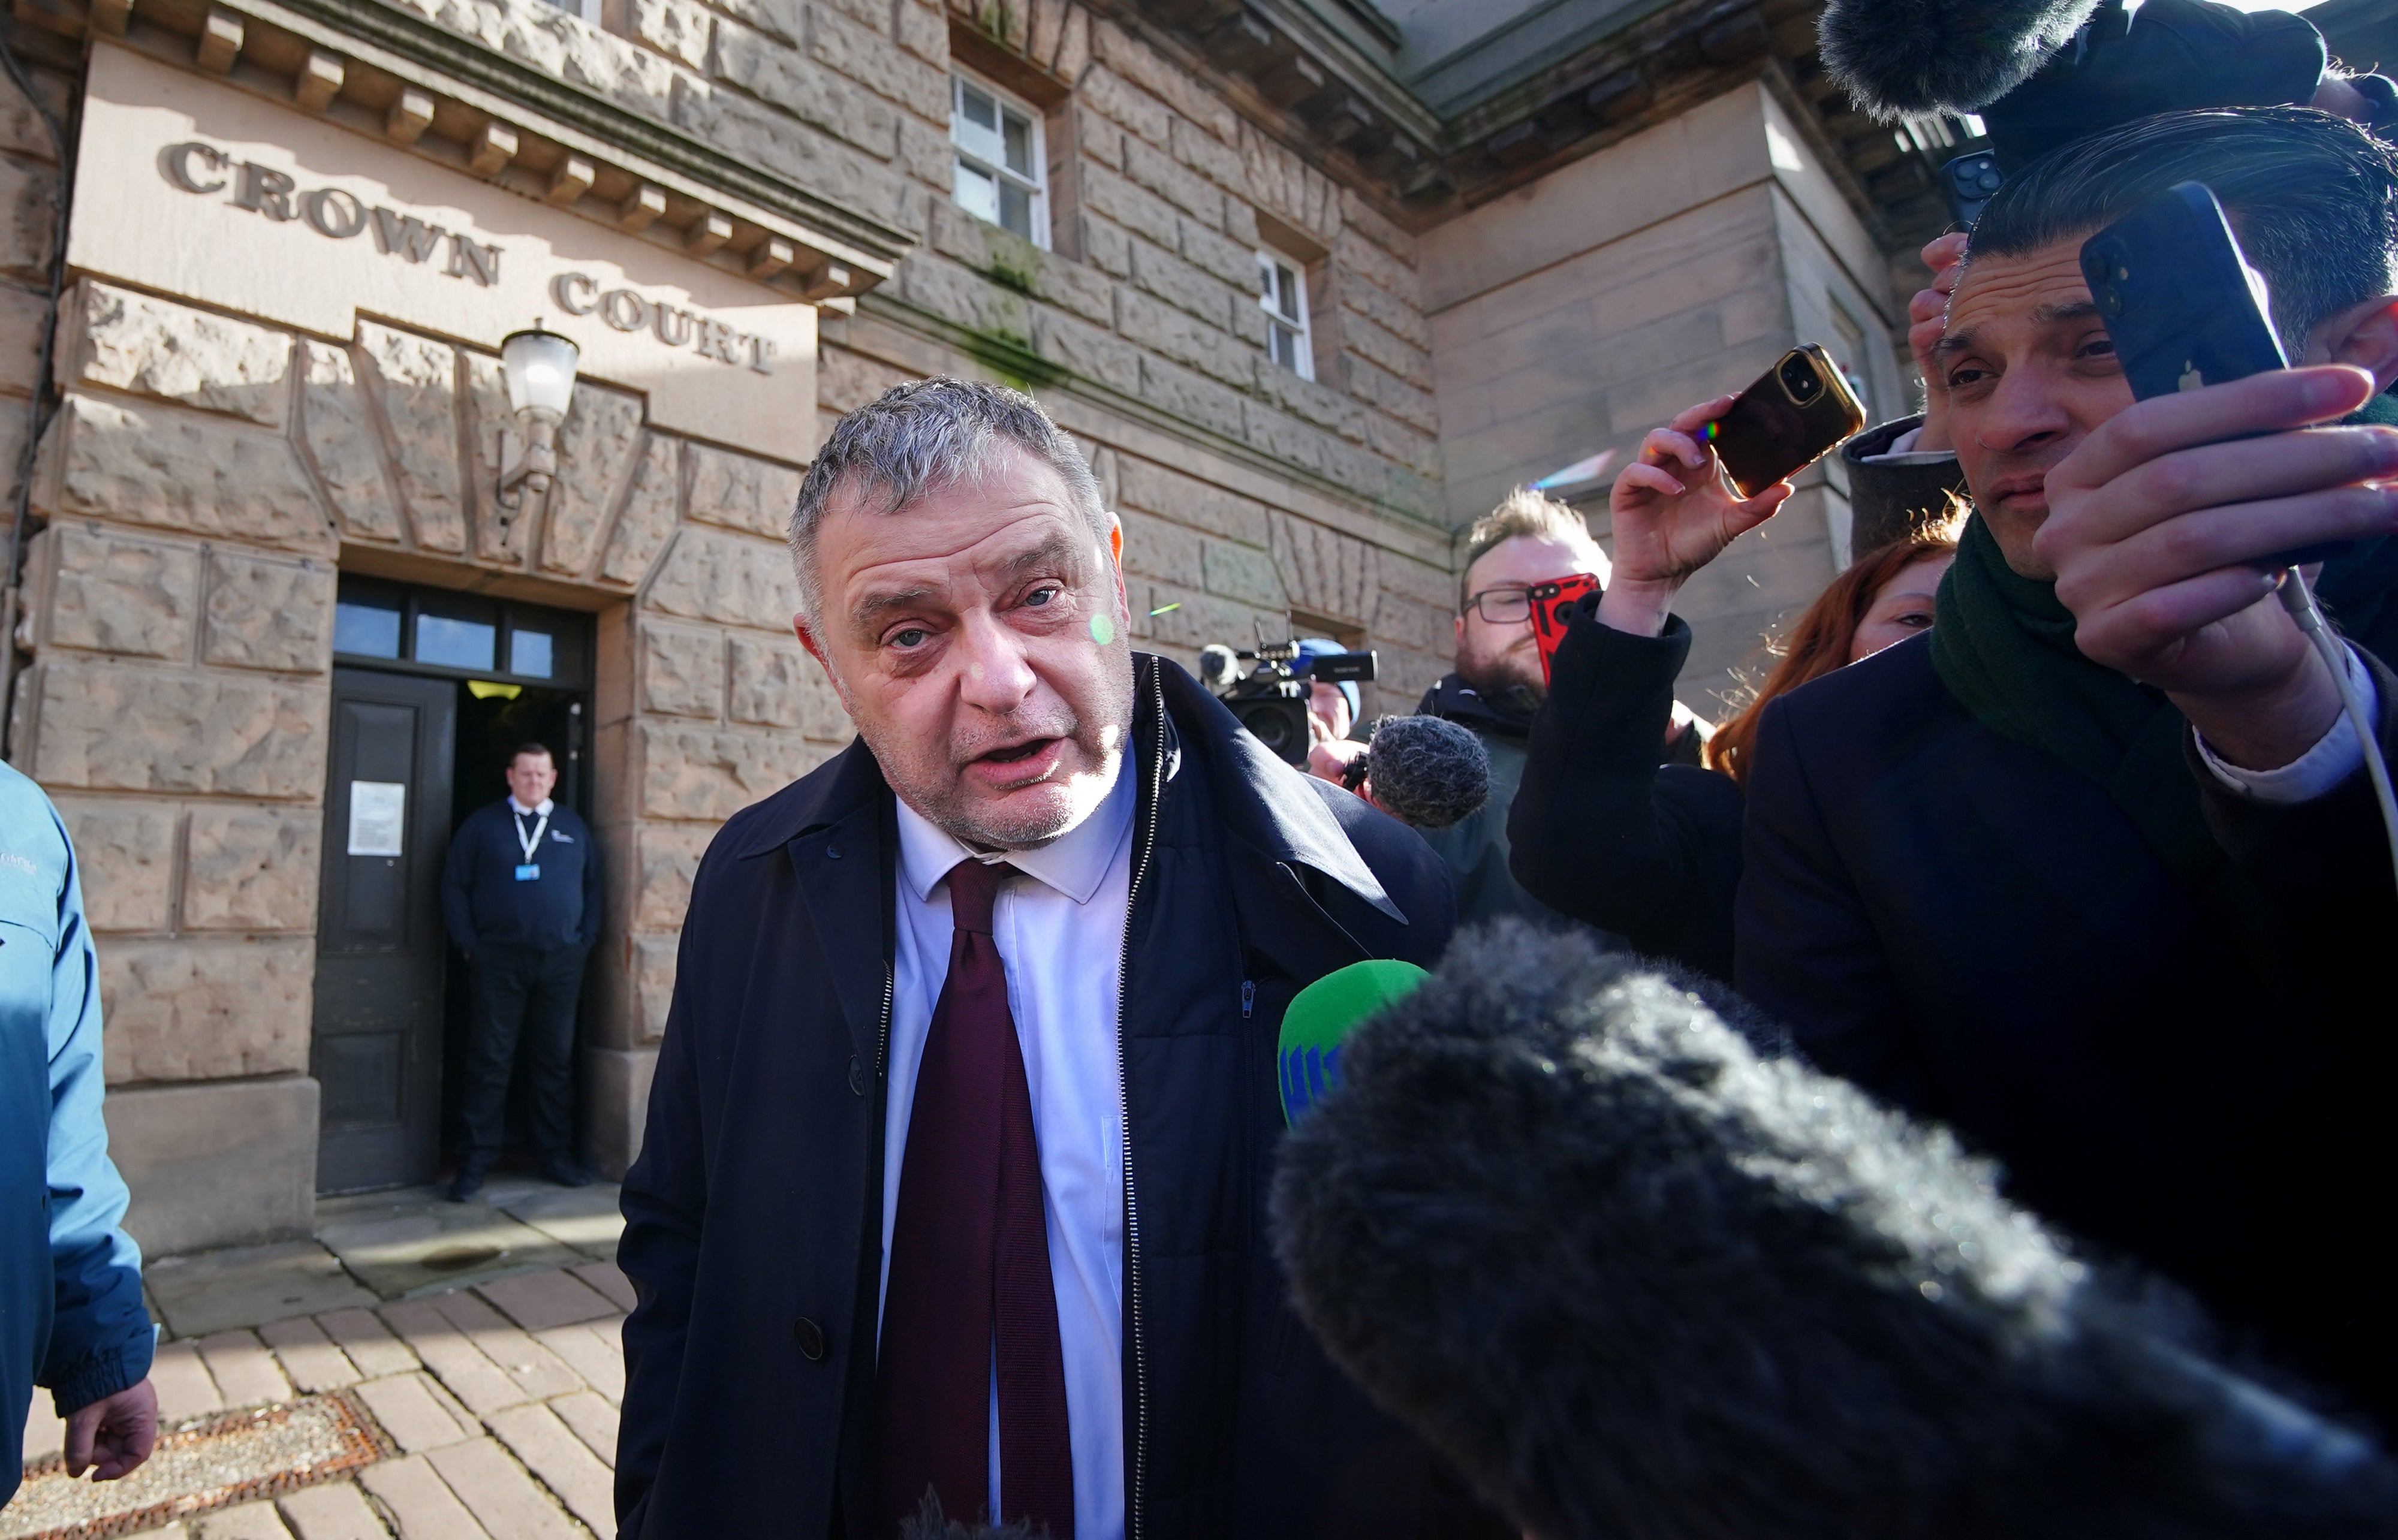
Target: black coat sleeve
(2313,898)
(457,887)
(1891,501)
(1805,951)
(1599,830)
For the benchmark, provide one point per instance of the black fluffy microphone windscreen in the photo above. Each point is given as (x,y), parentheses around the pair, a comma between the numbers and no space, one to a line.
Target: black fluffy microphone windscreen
(1909,58)
(1641,1276)
(1427,771)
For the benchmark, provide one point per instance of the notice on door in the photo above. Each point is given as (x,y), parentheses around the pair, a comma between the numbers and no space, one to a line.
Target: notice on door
(378,816)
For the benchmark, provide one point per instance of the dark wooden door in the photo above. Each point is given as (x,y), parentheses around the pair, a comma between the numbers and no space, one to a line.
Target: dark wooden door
(380,950)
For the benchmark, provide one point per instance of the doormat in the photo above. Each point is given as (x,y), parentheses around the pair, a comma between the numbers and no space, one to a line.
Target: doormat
(211,1463)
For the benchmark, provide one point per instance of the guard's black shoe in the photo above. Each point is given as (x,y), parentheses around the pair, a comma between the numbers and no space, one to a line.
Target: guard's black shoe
(566,1173)
(463,1187)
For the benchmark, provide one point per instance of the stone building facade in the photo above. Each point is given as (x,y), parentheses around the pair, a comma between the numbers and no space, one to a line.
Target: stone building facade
(268,396)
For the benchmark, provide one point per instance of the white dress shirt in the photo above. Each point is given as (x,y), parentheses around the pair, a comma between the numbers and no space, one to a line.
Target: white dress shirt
(1060,931)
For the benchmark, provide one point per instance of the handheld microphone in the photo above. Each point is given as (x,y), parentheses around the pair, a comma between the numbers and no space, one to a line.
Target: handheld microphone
(1638,1272)
(1320,1016)
(1426,771)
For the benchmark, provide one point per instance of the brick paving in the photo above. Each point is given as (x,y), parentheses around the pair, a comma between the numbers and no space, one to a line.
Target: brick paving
(499,1398)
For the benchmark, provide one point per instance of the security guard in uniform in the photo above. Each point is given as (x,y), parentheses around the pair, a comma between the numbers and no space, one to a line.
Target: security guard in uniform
(521,896)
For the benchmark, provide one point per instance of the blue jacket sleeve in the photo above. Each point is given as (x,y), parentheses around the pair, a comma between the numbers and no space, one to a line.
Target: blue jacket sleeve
(457,877)
(101,1336)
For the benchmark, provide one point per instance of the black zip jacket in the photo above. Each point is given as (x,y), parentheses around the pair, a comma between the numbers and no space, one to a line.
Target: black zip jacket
(483,904)
(753,1216)
(1599,830)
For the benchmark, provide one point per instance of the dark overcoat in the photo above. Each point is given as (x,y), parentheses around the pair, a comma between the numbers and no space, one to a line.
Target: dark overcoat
(2199,1078)
(753,1215)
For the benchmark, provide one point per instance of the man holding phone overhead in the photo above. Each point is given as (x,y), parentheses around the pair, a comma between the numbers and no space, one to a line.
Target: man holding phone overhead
(2092,871)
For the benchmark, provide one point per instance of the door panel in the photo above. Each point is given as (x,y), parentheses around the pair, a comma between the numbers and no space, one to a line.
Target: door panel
(379,951)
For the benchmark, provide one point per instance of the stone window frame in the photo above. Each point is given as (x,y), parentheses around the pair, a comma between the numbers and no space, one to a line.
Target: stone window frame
(985,151)
(1282,295)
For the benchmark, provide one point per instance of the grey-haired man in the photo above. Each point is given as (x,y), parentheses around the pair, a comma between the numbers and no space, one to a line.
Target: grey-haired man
(954,1176)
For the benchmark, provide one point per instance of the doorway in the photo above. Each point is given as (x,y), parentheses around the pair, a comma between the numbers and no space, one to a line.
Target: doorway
(433,692)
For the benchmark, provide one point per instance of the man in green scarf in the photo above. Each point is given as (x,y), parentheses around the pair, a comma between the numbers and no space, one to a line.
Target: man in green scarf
(2092,872)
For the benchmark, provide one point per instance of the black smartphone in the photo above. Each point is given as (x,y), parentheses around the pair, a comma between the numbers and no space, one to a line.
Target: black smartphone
(1795,414)
(2184,307)
(1969,181)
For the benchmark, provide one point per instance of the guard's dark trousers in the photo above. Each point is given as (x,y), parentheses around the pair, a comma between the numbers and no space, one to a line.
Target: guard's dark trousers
(521,995)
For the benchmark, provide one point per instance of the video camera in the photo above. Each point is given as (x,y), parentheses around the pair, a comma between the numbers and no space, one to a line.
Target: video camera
(1269,698)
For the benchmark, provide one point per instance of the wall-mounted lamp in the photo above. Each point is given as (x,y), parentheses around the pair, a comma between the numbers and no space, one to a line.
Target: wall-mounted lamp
(539,367)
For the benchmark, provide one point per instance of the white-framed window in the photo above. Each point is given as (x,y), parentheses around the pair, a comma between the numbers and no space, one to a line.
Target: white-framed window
(999,162)
(587,9)
(1284,296)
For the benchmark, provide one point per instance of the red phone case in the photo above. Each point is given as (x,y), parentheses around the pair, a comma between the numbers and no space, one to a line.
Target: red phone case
(1552,601)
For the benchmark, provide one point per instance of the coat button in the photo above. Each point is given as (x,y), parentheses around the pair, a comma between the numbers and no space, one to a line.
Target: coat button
(857,1076)
(811,1339)
(832,852)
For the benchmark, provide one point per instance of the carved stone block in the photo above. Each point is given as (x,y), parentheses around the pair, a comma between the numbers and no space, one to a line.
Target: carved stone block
(112,594)
(184,472)
(726,578)
(682,671)
(252,868)
(125,851)
(151,347)
(206,1010)
(119,727)
(417,380)
(339,435)
(265,613)
(742,493)
(778,684)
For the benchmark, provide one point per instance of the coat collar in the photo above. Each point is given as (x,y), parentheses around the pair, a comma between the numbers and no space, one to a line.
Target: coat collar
(1259,798)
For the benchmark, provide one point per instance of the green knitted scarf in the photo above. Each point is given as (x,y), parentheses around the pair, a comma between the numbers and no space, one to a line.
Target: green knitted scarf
(2003,646)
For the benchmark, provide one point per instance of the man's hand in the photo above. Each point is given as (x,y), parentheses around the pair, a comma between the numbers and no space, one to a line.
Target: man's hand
(1327,758)
(2155,519)
(114,1435)
(1927,319)
(1669,521)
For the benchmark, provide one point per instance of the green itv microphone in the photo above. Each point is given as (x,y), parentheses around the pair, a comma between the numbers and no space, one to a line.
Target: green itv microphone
(1307,1056)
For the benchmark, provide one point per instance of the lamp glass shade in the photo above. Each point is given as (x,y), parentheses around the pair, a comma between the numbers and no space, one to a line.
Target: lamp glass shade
(540,369)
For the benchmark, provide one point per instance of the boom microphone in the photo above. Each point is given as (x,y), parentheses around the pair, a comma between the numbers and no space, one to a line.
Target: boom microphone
(1909,58)
(1640,1274)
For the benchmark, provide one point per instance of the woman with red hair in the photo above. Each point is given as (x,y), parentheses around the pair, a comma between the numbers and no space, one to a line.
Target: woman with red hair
(1599,830)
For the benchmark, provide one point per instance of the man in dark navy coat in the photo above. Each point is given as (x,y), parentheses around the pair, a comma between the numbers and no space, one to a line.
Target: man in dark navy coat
(954,1179)
(521,895)
(2094,872)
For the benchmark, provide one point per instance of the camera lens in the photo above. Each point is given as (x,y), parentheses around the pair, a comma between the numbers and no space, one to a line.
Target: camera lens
(1799,377)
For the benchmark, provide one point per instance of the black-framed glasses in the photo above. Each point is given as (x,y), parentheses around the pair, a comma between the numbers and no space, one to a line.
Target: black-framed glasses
(1511,604)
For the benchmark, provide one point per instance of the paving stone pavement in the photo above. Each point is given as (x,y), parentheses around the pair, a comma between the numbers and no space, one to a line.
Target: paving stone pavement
(498,1400)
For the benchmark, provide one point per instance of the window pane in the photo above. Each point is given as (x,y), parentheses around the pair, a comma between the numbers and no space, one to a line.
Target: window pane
(1016,208)
(366,629)
(977,190)
(531,652)
(455,644)
(1286,291)
(1266,281)
(980,109)
(1019,144)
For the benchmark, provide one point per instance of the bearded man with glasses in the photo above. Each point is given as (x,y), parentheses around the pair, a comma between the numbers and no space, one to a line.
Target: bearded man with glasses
(1497,685)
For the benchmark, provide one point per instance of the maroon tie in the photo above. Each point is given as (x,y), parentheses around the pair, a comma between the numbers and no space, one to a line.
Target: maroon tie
(969,1292)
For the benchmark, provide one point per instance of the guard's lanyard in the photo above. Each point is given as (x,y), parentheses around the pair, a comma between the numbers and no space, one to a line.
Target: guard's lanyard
(515,821)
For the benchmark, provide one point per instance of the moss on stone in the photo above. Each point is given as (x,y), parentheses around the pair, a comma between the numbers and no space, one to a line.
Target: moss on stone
(1010,355)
